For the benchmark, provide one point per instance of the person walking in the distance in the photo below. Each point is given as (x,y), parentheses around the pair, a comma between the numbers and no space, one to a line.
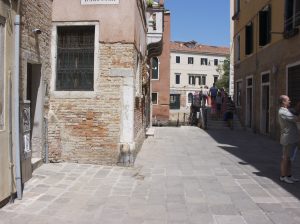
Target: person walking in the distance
(289,138)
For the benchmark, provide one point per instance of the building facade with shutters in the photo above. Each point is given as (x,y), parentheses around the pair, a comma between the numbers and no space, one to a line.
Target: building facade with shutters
(266,60)
(99,104)
(193,66)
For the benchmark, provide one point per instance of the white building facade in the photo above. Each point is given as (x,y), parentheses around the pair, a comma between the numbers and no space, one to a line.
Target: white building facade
(193,66)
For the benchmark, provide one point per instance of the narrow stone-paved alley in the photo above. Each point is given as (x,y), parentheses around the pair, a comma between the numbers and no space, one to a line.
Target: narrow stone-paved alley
(181,175)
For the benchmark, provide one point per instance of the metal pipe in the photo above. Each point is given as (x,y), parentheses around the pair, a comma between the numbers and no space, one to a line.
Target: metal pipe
(16,109)
(11,157)
(46,141)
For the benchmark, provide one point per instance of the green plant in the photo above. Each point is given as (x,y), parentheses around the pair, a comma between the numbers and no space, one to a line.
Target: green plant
(150,3)
(223,70)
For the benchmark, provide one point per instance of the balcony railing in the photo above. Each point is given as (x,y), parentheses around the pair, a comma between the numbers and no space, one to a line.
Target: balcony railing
(291,24)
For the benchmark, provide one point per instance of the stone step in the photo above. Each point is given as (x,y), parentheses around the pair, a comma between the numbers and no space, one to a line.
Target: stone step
(150,131)
(36,163)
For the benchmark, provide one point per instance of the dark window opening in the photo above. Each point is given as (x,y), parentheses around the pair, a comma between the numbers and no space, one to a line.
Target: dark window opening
(292,14)
(75,58)
(177,59)
(239,93)
(203,80)
(265,78)
(155,68)
(190,60)
(249,82)
(203,61)
(216,62)
(249,39)
(154,98)
(293,84)
(192,80)
(174,101)
(190,98)
(238,48)
(177,79)
(265,26)
(216,79)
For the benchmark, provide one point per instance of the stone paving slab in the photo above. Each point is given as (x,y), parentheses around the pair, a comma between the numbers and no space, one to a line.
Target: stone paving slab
(181,175)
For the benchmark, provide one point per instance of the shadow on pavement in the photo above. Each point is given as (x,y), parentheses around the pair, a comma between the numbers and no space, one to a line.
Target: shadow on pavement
(258,152)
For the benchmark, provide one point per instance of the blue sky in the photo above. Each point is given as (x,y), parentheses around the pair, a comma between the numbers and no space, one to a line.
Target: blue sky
(205,21)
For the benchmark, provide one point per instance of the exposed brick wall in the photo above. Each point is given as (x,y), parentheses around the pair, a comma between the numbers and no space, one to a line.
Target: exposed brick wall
(35,48)
(88,130)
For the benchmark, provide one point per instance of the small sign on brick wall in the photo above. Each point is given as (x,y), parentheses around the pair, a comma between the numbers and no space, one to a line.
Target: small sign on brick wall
(97,2)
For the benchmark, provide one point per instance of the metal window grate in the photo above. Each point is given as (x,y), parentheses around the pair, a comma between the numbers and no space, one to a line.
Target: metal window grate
(75,58)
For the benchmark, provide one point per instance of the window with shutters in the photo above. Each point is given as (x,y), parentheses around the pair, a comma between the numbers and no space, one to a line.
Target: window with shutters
(174,101)
(192,80)
(197,79)
(265,17)
(293,84)
(190,60)
(292,14)
(177,59)
(249,39)
(75,58)
(203,61)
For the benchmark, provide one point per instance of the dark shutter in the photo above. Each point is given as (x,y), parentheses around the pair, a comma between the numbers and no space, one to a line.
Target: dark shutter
(289,8)
(293,84)
(297,13)
(249,38)
(264,27)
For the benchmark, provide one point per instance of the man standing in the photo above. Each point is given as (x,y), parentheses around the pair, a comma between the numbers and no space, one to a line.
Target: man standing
(289,138)
(213,91)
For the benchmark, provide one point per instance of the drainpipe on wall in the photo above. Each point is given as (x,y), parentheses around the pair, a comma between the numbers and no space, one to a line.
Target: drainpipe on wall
(16,106)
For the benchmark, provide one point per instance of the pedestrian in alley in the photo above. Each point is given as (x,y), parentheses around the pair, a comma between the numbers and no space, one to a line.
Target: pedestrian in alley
(219,104)
(289,138)
(230,109)
(205,92)
(213,92)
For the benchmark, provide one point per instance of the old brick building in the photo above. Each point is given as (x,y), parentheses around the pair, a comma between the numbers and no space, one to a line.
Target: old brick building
(24,70)
(100,83)
(160,79)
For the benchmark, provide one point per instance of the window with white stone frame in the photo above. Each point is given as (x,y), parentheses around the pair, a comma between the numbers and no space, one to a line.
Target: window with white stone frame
(2,91)
(75,58)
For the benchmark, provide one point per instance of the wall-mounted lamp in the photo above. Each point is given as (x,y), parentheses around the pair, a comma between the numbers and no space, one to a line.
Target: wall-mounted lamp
(37,31)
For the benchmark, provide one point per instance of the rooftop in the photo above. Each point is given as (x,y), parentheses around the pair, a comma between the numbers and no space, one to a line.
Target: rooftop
(194,47)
